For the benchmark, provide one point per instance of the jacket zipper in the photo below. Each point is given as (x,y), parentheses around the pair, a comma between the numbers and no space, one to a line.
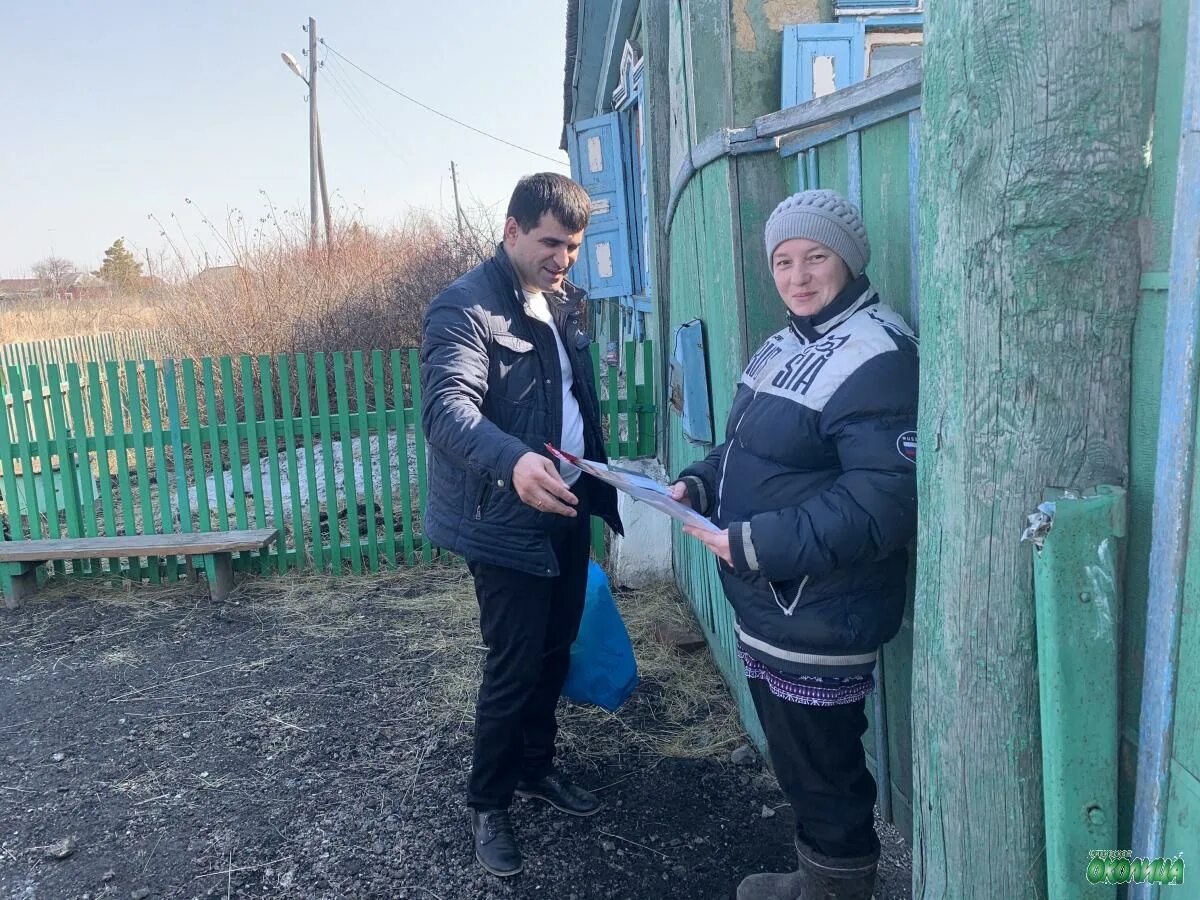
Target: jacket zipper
(725,461)
(483,494)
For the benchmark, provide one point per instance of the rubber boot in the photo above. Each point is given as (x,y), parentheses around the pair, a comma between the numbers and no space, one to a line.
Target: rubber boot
(818,877)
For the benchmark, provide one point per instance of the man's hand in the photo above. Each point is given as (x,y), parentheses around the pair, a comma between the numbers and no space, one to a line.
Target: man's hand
(716,541)
(679,493)
(539,485)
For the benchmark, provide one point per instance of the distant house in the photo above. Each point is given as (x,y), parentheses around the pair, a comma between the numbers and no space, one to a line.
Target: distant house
(19,289)
(75,286)
(83,286)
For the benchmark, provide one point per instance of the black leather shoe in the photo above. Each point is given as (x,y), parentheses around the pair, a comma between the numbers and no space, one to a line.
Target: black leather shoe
(561,794)
(495,847)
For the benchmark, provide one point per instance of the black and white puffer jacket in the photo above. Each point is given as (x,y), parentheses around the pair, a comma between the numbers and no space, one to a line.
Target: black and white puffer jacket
(816,482)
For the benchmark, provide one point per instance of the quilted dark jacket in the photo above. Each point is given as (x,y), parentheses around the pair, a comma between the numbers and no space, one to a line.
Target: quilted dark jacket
(816,482)
(492,391)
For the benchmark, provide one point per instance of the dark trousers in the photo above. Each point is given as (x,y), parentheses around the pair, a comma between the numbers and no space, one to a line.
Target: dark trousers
(818,757)
(528,623)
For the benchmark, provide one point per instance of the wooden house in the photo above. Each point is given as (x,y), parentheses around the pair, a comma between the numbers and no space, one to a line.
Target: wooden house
(687,121)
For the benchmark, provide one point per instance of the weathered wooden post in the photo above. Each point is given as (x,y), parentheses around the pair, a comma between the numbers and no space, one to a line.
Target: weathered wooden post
(1033,160)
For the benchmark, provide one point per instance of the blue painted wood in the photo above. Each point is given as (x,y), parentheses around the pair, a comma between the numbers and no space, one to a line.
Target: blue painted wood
(858,121)
(1173,483)
(598,164)
(632,167)
(854,169)
(914,230)
(883,20)
(843,42)
(689,382)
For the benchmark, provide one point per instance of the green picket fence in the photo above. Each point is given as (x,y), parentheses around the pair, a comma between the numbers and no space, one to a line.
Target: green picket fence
(626,389)
(328,448)
(145,343)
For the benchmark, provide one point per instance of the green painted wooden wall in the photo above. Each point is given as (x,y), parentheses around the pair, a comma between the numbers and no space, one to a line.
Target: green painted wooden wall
(716,271)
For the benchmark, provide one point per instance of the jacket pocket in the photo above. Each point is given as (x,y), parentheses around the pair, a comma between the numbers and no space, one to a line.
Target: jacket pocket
(481,499)
(514,369)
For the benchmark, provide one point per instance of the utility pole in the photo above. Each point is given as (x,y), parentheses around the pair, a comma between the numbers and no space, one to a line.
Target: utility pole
(324,190)
(316,153)
(457,206)
(314,141)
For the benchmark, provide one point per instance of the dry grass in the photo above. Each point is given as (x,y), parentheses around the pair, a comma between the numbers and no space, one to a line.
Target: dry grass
(41,319)
(271,293)
(682,707)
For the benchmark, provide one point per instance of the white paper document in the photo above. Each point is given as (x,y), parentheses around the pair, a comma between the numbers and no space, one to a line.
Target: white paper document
(637,486)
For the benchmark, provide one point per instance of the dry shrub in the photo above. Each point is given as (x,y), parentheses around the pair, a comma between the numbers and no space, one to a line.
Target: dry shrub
(368,293)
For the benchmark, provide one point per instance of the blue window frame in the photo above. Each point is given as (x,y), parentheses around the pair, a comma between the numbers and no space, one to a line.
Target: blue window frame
(818,59)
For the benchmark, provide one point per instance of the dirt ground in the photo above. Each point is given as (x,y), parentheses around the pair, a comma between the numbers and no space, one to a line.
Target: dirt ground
(312,739)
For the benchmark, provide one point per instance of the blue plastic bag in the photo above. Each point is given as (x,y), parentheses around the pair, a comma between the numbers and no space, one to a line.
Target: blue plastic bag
(603,670)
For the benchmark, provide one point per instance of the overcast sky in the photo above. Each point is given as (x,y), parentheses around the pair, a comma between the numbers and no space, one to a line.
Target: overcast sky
(116,111)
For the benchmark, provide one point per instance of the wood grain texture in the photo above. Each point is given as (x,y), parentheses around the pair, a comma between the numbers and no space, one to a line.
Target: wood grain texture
(1034,119)
(194,544)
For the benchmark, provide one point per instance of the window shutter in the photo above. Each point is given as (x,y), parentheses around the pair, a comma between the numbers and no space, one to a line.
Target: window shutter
(605,264)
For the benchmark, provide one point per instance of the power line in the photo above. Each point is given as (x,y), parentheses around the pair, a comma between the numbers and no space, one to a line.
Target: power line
(436,111)
(369,121)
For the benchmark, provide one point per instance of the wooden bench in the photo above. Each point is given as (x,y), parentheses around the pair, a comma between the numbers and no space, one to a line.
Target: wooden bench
(21,558)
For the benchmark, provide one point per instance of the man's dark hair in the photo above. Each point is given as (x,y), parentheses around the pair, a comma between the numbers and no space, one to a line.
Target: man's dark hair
(549,192)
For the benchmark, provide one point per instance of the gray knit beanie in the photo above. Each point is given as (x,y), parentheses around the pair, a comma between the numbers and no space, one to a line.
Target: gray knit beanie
(823,216)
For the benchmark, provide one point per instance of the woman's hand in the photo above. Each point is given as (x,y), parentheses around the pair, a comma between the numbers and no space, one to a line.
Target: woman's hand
(716,541)
(678,492)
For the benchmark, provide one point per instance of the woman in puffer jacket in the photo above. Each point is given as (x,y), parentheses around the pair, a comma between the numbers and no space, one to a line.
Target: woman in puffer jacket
(814,489)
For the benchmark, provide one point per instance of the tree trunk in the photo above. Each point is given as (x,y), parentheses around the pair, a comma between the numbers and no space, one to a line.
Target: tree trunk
(1036,116)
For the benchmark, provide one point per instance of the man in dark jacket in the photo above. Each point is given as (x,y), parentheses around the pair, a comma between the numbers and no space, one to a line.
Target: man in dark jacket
(506,370)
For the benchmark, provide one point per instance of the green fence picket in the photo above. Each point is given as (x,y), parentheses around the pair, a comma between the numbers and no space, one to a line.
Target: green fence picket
(414,376)
(370,519)
(271,441)
(648,430)
(40,441)
(332,519)
(405,465)
(253,458)
(289,439)
(220,491)
(16,380)
(79,439)
(386,459)
(234,446)
(630,401)
(104,472)
(198,437)
(310,465)
(12,499)
(614,414)
(67,468)
(175,425)
(138,433)
(162,477)
(116,410)
(346,437)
